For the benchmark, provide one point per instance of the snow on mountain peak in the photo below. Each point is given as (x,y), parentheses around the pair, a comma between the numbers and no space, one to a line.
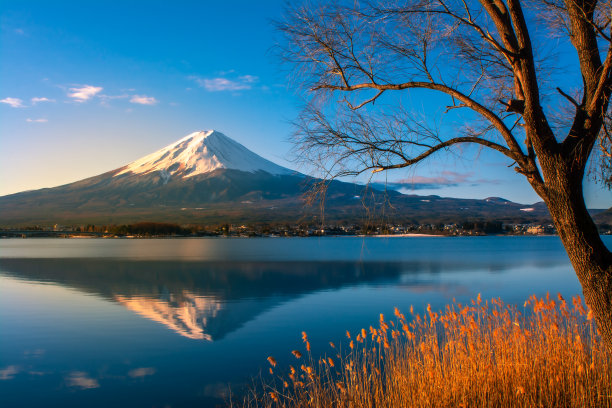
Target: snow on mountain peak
(201,153)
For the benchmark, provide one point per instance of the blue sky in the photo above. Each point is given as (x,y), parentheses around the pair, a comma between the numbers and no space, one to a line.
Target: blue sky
(90,86)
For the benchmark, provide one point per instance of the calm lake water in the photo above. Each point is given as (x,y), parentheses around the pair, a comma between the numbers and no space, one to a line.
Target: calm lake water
(180,322)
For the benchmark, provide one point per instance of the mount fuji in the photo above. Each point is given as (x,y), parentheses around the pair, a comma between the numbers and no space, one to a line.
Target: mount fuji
(201,153)
(207,177)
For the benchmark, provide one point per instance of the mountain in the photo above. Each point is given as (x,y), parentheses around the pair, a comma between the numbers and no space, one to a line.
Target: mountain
(198,154)
(603,217)
(206,177)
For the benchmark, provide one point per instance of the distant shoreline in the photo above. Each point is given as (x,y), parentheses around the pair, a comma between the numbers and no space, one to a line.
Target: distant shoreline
(417,235)
(407,235)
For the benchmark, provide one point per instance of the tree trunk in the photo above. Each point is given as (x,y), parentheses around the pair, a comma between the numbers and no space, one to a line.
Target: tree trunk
(591,259)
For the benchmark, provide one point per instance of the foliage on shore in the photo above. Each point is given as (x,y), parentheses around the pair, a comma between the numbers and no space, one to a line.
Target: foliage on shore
(485,354)
(147,229)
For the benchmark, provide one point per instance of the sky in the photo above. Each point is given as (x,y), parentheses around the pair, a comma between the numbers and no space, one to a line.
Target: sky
(87,87)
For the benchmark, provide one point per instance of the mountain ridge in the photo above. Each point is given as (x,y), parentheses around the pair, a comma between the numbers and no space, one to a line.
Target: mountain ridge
(207,177)
(200,153)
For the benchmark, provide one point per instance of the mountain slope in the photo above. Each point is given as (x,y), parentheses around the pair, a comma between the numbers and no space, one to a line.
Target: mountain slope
(207,177)
(200,153)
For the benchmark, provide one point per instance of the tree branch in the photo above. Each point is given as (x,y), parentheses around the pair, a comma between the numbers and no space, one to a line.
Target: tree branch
(372,99)
(569,98)
(515,152)
(603,86)
(447,143)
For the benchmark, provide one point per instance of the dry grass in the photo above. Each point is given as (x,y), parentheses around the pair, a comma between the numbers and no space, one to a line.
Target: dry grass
(485,354)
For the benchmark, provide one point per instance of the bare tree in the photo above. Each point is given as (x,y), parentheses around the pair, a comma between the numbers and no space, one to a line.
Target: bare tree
(486,60)
(602,166)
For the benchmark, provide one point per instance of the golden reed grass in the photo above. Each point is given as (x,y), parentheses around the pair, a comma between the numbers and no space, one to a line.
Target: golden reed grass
(484,354)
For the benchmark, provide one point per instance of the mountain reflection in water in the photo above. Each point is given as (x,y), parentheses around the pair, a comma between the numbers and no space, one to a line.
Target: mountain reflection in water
(208,300)
(186,313)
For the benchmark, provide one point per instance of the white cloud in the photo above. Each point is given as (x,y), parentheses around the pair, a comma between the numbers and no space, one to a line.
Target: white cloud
(14,102)
(80,379)
(143,100)
(36,100)
(84,93)
(241,83)
(106,99)
(41,120)
(111,97)
(249,79)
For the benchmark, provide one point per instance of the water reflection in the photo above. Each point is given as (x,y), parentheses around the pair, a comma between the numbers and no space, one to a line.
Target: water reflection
(172,322)
(8,373)
(187,314)
(209,300)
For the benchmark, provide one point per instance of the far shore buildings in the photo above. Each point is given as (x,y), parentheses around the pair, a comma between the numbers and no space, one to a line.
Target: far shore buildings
(288,230)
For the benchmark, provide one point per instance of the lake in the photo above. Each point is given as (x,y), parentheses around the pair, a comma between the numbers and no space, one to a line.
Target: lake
(184,322)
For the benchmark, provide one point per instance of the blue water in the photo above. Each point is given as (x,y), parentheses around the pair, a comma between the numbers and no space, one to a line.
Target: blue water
(186,322)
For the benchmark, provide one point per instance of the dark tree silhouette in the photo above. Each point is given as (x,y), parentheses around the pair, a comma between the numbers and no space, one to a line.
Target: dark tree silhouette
(481,58)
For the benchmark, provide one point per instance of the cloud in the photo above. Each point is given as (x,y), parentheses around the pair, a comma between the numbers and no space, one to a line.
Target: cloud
(445,179)
(143,100)
(219,84)
(40,120)
(106,99)
(79,379)
(141,372)
(111,97)
(14,102)
(18,103)
(36,100)
(249,79)
(84,93)
(9,372)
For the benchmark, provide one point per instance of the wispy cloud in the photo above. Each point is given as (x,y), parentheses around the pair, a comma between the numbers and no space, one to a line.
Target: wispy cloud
(36,100)
(40,120)
(80,379)
(18,103)
(445,179)
(106,99)
(219,84)
(143,100)
(111,97)
(84,93)
(13,102)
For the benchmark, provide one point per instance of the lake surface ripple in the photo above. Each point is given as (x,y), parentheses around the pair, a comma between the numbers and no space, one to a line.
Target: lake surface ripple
(181,322)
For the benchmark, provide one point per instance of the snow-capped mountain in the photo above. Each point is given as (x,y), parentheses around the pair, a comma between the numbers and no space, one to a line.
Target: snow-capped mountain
(201,153)
(206,177)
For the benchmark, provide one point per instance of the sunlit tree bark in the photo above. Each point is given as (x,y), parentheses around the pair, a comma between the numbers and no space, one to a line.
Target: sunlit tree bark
(480,56)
